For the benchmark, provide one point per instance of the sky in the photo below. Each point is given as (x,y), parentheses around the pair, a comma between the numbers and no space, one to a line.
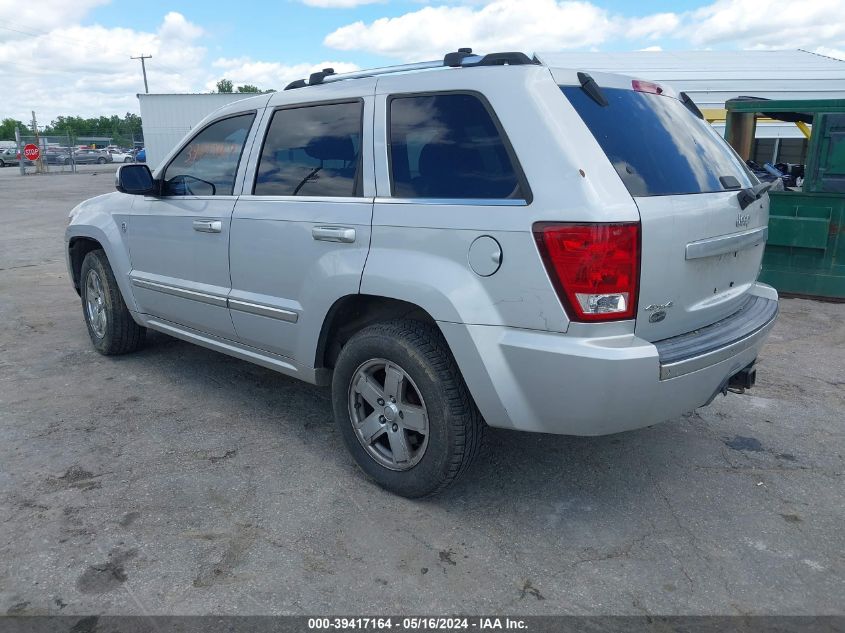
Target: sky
(72,57)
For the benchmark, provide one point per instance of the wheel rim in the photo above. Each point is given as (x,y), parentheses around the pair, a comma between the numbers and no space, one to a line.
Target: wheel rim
(95,303)
(388,414)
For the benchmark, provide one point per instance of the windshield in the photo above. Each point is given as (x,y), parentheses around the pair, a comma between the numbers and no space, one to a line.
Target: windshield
(656,145)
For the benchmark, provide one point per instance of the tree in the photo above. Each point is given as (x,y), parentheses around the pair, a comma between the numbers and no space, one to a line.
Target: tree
(7,129)
(248,88)
(123,131)
(224,85)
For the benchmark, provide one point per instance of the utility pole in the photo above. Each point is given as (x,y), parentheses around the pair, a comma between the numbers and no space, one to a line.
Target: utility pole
(39,165)
(20,151)
(144,69)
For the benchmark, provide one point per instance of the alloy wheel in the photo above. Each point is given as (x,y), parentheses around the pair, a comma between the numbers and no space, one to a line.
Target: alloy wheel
(95,303)
(388,414)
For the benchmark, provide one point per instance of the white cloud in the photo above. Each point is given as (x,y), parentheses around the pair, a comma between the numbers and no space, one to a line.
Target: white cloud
(22,19)
(338,4)
(86,70)
(531,25)
(265,75)
(66,68)
(812,24)
(650,26)
(837,53)
(499,25)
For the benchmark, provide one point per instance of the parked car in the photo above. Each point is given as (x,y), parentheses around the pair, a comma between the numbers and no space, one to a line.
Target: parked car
(513,246)
(141,155)
(57,157)
(9,156)
(120,156)
(90,156)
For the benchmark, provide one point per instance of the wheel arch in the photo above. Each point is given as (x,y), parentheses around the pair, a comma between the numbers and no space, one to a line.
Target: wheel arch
(78,248)
(102,232)
(352,313)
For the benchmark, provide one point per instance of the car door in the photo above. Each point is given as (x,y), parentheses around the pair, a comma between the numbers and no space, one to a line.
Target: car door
(179,241)
(301,231)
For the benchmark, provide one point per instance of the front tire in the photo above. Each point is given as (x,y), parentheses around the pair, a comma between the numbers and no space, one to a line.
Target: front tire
(101,161)
(403,408)
(111,327)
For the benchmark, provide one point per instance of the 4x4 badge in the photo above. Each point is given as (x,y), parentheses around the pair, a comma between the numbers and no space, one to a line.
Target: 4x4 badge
(743,219)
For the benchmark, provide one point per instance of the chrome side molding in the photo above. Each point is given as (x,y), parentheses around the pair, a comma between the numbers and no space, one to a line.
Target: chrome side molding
(202,297)
(219,301)
(262,310)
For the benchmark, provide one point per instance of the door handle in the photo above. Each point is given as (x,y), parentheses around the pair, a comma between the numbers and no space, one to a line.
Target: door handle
(343,234)
(208,226)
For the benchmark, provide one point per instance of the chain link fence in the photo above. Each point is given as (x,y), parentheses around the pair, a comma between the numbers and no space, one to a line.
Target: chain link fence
(74,153)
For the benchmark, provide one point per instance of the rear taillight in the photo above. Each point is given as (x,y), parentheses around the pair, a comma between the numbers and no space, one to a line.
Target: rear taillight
(595,268)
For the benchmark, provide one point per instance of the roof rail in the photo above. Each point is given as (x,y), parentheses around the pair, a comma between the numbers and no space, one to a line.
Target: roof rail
(462,58)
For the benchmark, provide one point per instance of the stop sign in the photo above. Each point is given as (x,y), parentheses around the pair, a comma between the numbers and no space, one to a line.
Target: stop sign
(31,152)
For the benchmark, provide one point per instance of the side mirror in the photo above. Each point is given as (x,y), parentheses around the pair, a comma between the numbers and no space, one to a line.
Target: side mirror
(134,179)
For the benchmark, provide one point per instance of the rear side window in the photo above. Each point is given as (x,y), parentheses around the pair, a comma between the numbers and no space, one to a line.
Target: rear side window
(656,145)
(448,146)
(312,151)
(207,165)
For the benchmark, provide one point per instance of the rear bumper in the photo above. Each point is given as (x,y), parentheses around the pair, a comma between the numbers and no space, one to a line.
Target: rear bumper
(717,342)
(560,383)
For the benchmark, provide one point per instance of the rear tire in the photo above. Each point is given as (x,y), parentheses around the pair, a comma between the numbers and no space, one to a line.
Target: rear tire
(101,160)
(111,327)
(430,395)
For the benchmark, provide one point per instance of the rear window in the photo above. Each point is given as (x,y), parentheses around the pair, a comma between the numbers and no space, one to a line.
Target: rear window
(656,145)
(449,146)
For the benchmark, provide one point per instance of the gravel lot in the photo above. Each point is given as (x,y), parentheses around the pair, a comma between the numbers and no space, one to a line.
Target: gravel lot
(177,480)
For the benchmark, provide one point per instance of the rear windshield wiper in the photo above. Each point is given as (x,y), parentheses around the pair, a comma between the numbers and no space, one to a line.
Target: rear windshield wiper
(747,196)
(589,85)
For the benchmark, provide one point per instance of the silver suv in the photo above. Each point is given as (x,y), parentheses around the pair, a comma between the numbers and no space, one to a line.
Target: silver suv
(482,241)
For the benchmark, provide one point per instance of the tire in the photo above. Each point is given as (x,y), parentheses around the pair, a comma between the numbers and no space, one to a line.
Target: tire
(431,383)
(112,329)
(2,164)
(66,161)
(101,160)
(128,159)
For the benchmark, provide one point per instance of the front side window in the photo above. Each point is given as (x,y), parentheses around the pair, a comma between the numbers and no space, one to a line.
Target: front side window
(207,165)
(312,151)
(448,146)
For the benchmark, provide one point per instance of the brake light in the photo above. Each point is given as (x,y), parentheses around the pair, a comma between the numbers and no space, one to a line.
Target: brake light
(595,268)
(646,86)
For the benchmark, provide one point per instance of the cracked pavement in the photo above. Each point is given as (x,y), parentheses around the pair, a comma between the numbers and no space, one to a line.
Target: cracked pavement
(177,480)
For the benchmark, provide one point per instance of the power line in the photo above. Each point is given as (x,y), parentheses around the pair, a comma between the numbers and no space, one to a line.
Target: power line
(53,35)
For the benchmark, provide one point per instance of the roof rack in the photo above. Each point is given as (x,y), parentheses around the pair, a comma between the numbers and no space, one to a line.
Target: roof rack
(462,58)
